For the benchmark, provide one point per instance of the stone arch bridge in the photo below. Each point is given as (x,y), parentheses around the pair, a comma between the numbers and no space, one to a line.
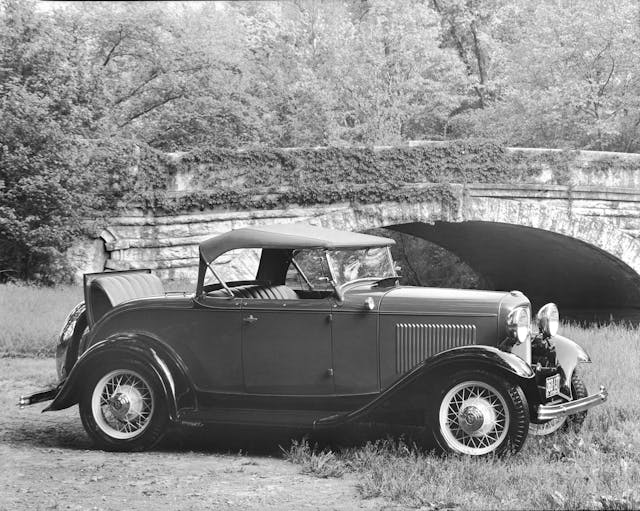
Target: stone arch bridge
(576,244)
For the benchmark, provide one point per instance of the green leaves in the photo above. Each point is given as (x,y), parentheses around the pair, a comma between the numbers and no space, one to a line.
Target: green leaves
(569,76)
(89,91)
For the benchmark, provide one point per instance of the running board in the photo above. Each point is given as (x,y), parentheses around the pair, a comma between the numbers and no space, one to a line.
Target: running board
(256,417)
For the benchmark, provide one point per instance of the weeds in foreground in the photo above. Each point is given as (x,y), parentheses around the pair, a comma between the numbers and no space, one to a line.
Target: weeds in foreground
(320,463)
(555,473)
(596,468)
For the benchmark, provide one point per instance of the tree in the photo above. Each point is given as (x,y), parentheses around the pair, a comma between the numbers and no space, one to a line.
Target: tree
(173,75)
(289,48)
(51,108)
(38,214)
(570,77)
(398,83)
(467,25)
(340,73)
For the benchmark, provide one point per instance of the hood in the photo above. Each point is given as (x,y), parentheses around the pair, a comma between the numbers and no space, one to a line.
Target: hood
(431,300)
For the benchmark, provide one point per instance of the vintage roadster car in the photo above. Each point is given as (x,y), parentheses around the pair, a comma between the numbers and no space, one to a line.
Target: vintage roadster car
(310,329)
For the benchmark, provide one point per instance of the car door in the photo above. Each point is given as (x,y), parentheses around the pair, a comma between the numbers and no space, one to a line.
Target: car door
(286,346)
(355,344)
(211,343)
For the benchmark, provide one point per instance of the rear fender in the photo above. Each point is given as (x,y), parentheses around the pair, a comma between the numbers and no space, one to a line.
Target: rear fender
(69,339)
(411,391)
(166,364)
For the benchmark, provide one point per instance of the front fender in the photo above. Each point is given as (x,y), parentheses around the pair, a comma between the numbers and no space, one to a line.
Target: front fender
(479,355)
(167,365)
(421,378)
(568,354)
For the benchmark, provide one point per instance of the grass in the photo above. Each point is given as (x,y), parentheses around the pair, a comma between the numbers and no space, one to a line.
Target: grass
(597,468)
(31,317)
(539,477)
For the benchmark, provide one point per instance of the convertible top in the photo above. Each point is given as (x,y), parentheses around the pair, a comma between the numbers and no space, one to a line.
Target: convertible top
(287,236)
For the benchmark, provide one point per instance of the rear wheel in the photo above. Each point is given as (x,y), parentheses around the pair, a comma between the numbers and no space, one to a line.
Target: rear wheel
(123,408)
(578,391)
(478,414)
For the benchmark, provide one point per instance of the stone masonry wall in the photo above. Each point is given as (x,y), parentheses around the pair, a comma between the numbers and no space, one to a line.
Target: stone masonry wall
(607,201)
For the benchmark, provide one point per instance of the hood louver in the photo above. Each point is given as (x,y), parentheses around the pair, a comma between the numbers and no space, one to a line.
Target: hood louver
(416,342)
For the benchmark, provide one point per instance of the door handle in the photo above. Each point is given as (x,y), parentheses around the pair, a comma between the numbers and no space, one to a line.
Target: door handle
(250,319)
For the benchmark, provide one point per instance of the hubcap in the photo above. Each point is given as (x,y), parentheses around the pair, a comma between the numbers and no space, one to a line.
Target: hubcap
(471,419)
(474,418)
(122,404)
(119,405)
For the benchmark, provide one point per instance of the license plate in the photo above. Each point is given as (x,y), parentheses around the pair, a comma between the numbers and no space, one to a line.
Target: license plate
(553,385)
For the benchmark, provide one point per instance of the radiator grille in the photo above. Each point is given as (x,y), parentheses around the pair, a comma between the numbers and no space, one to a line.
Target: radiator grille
(415,342)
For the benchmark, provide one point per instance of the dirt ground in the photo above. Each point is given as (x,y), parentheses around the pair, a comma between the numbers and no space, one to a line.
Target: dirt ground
(47,462)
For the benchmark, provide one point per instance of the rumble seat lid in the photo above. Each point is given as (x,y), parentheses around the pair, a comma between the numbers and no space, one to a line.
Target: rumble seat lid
(288,236)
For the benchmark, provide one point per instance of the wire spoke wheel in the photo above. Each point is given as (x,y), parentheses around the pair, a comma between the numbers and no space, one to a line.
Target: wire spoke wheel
(478,413)
(548,427)
(474,418)
(122,404)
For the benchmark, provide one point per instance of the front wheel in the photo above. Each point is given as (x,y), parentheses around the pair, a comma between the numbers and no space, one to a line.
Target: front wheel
(478,414)
(574,422)
(123,408)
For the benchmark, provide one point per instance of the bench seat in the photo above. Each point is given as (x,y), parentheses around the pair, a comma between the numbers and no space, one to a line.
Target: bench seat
(259,292)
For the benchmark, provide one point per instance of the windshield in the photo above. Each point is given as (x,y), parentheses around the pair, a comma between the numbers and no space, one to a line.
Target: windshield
(313,269)
(349,265)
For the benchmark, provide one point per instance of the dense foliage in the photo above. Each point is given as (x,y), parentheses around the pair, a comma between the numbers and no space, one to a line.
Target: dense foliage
(90,92)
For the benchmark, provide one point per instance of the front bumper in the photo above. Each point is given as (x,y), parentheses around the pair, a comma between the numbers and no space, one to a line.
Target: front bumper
(557,411)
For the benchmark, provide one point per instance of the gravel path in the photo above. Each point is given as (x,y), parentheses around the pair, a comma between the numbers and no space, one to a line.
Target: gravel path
(47,462)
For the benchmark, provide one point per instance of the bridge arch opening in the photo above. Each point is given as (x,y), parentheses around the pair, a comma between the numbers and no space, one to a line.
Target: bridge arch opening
(586,282)
(423,263)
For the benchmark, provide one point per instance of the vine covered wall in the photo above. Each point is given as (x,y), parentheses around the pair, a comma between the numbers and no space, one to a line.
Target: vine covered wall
(277,178)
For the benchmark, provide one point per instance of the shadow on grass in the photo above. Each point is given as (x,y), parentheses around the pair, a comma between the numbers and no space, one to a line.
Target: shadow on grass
(271,441)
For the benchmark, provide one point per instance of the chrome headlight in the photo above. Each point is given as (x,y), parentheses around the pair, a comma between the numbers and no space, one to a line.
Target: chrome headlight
(519,324)
(548,319)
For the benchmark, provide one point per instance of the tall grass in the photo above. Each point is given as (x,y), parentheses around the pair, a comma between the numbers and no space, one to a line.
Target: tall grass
(596,468)
(31,317)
